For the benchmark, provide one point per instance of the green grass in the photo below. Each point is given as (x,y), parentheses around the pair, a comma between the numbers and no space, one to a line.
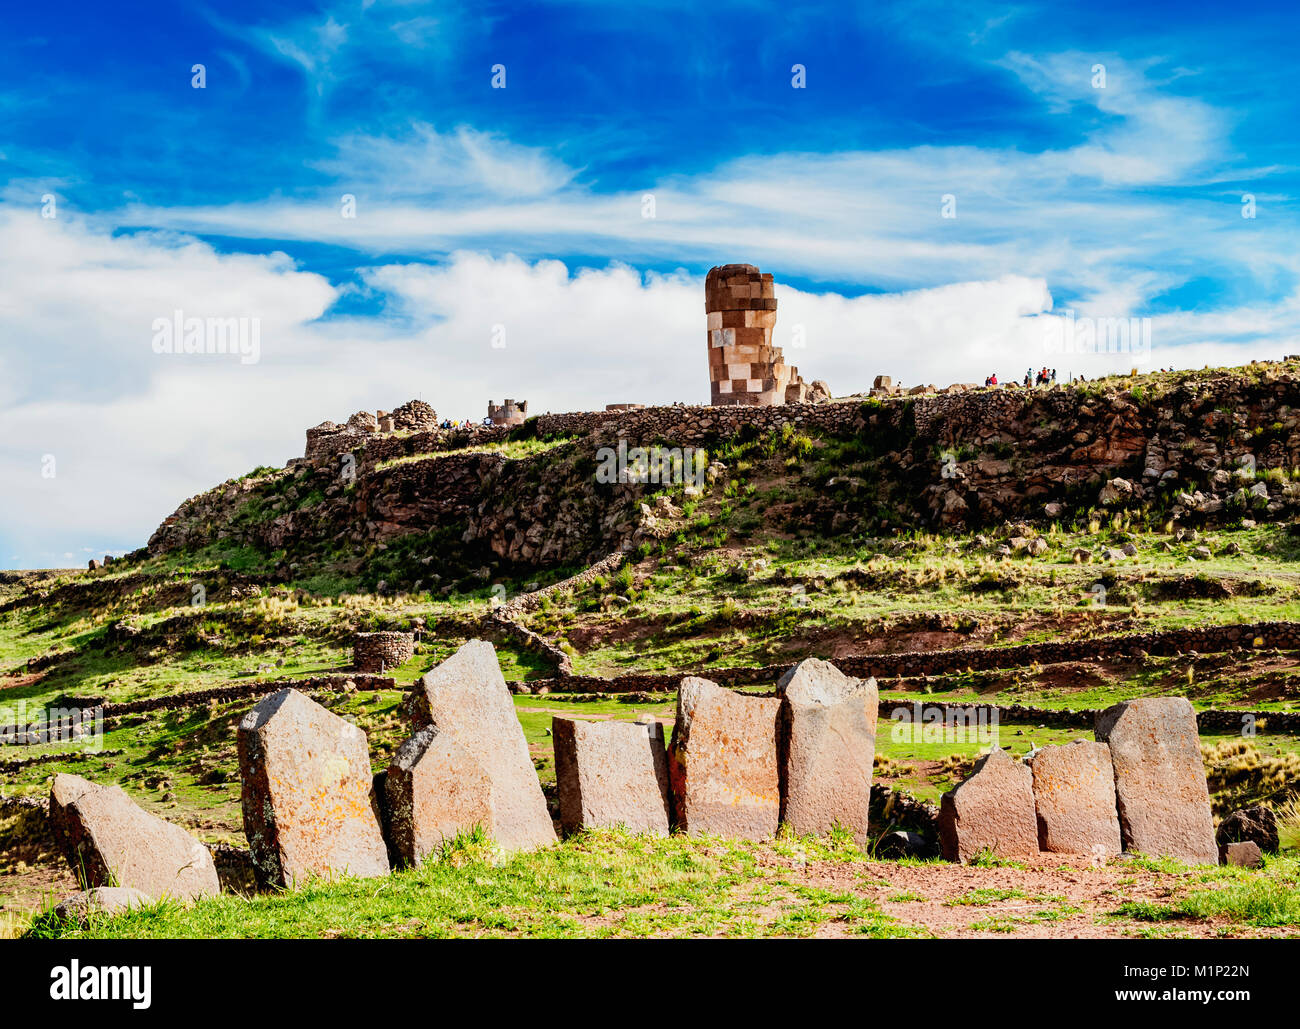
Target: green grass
(598,884)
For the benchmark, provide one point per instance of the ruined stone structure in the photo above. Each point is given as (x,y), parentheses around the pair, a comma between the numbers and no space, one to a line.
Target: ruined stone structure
(510,413)
(744,368)
(328,438)
(380,651)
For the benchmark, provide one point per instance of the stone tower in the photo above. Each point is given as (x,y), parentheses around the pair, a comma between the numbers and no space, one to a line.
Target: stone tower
(744,367)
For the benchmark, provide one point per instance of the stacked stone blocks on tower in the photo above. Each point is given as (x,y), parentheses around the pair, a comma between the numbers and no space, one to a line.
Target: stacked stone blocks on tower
(744,367)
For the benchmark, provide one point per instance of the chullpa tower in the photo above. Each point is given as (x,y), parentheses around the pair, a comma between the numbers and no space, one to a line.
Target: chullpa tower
(744,367)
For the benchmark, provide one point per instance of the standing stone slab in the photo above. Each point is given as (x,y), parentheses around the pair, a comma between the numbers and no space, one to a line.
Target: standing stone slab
(435,790)
(1164,803)
(827,748)
(991,810)
(307,793)
(1074,794)
(467,699)
(110,841)
(610,774)
(723,762)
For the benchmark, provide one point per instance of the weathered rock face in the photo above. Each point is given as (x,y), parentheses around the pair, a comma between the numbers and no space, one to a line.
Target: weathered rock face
(1257,824)
(611,774)
(992,810)
(1074,794)
(435,790)
(307,793)
(723,762)
(110,841)
(1164,803)
(102,900)
(827,748)
(466,698)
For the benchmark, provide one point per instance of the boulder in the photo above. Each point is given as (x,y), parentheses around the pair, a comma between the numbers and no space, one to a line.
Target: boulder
(102,900)
(1245,854)
(110,841)
(1074,798)
(993,810)
(1257,824)
(723,762)
(307,796)
(827,746)
(435,789)
(1164,803)
(611,774)
(466,698)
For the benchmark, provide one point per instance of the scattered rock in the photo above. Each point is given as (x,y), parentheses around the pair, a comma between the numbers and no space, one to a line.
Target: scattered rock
(102,900)
(1245,854)
(1257,824)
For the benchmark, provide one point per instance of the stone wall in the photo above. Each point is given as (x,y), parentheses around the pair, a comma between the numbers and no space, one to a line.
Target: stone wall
(380,651)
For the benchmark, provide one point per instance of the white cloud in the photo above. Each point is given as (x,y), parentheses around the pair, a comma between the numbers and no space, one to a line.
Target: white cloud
(134,433)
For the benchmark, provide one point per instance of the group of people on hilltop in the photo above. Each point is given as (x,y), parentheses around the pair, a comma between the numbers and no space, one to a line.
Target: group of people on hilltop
(1043,377)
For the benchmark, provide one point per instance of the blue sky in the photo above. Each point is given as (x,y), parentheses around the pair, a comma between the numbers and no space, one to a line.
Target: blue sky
(525,208)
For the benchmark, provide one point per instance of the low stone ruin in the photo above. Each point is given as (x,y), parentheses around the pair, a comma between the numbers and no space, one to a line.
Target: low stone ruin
(381,651)
(1140,787)
(328,438)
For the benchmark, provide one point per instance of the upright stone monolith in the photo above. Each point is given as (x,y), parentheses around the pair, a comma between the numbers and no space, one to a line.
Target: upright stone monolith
(435,790)
(611,774)
(723,762)
(110,841)
(992,810)
(1164,802)
(827,748)
(1074,796)
(307,797)
(466,698)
